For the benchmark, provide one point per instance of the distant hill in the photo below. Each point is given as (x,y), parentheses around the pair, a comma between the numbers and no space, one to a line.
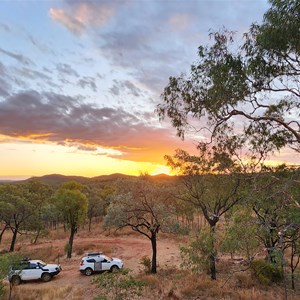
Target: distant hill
(110,177)
(163,176)
(6,181)
(58,179)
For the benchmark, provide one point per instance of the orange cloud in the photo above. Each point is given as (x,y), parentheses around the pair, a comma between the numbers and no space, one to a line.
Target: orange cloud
(71,23)
(78,17)
(93,14)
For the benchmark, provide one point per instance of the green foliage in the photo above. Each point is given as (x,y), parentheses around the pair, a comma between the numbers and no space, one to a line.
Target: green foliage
(240,234)
(67,248)
(118,285)
(273,200)
(146,262)
(257,82)
(266,273)
(143,205)
(21,206)
(180,229)
(6,260)
(196,255)
(71,203)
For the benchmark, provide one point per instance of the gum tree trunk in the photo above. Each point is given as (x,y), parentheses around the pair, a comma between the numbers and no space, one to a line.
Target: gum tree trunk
(154,252)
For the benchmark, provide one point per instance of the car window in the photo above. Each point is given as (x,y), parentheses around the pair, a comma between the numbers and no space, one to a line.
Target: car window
(20,266)
(41,263)
(104,257)
(91,260)
(32,266)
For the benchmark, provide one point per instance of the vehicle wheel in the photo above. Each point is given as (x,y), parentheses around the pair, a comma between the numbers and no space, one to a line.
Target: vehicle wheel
(114,268)
(88,271)
(46,277)
(16,280)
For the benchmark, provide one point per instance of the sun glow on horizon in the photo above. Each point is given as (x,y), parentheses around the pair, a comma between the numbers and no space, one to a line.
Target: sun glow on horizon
(27,160)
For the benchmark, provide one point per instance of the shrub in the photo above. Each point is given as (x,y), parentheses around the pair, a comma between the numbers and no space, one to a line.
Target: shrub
(119,285)
(146,262)
(266,272)
(67,247)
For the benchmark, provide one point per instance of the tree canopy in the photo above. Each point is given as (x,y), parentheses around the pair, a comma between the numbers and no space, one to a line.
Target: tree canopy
(254,85)
(144,206)
(72,204)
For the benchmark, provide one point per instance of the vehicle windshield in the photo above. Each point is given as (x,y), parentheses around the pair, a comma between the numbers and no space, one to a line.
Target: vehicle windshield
(107,257)
(41,263)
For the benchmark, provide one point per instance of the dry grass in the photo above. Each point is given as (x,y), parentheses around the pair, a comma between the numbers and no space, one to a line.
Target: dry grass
(82,248)
(47,293)
(181,284)
(169,283)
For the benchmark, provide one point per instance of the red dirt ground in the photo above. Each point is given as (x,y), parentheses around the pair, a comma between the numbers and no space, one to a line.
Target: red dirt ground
(130,248)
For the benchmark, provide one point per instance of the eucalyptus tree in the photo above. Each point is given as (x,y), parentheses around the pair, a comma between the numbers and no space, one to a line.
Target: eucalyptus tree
(290,239)
(240,234)
(98,201)
(144,206)
(21,205)
(72,204)
(6,261)
(39,194)
(255,84)
(213,183)
(274,195)
(95,207)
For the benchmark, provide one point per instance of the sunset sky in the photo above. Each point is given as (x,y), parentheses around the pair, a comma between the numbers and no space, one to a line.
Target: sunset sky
(80,80)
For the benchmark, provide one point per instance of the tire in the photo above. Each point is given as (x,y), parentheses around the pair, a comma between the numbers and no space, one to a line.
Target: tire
(46,277)
(16,280)
(88,271)
(114,268)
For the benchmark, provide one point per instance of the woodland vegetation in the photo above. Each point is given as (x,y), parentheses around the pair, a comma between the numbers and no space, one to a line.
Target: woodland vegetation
(251,211)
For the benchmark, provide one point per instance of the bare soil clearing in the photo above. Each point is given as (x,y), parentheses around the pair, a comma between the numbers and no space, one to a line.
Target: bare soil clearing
(130,248)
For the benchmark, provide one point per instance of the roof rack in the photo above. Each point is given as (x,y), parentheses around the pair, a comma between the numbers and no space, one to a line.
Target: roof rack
(94,253)
(26,258)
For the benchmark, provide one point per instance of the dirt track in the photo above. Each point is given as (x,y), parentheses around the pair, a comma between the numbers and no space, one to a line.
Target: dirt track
(130,249)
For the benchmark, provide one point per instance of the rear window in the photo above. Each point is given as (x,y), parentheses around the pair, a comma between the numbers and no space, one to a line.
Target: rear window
(91,260)
(20,266)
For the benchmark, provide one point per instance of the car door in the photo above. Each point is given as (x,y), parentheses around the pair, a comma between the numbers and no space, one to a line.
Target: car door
(19,269)
(33,271)
(25,271)
(105,264)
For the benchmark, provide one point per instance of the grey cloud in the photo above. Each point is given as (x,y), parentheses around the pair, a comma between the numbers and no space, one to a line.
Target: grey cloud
(32,74)
(133,89)
(66,69)
(120,86)
(66,120)
(154,47)
(47,70)
(5,27)
(19,57)
(86,148)
(160,38)
(5,86)
(115,89)
(88,82)
(39,45)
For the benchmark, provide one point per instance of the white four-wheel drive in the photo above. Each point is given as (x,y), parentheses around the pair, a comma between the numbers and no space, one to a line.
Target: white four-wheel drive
(97,262)
(32,269)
